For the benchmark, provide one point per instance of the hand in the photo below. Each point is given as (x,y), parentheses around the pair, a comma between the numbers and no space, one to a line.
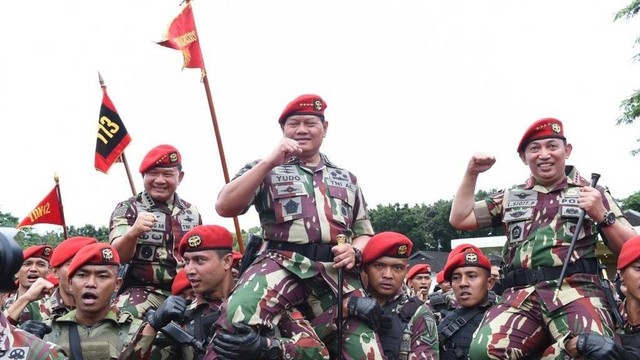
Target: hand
(344,256)
(283,151)
(37,328)
(144,222)
(38,290)
(599,347)
(246,343)
(171,309)
(366,309)
(590,200)
(480,163)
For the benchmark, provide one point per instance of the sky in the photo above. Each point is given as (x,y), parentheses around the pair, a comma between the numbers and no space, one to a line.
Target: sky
(413,89)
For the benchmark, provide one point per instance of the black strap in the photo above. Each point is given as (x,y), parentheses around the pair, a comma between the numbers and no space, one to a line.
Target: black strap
(314,252)
(447,331)
(528,277)
(74,342)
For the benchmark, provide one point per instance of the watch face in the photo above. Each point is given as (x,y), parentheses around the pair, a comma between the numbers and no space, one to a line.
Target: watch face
(611,218)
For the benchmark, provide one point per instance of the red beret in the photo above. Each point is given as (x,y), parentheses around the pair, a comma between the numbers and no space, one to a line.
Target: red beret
(160,156)
(542,129)
(52,279)
(237,256)
(68,248)
(418,269)
(41,251)
(468,257)
(440,277)
(206,237)
(629,253)
(461,248)
(307,104)
(94,254)
(180,283)
(386,243)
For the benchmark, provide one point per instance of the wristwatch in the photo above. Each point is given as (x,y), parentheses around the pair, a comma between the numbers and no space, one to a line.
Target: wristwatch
(609,219)
(273,350)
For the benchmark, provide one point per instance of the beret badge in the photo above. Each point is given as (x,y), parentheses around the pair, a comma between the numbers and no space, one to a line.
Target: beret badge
(173,157)
(471,258)
(107,254)
(402,249)
(317,105)
(195,241)
(556,128)
(46,251)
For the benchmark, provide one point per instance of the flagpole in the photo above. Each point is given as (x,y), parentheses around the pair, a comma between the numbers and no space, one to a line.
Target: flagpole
(56,178)
(223,162)
(126,167)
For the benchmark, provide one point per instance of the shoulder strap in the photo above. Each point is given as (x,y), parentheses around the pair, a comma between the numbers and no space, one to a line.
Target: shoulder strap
(409,308)
(446,329)
(74,342)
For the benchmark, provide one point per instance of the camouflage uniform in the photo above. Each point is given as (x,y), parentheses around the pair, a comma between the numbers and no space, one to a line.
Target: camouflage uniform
(156,261)
(420,333)
(539,225)
(53,306)
(33,311)
(303,206)
(108,336)
(16,344)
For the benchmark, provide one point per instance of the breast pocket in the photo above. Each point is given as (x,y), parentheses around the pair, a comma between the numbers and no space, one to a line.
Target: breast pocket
(515,221)
(289,201)
(342,200)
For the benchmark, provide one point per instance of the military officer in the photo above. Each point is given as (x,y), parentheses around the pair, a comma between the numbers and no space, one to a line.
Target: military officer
(146,229)
(539,218)
(410,327)
(419,280)
(93,330)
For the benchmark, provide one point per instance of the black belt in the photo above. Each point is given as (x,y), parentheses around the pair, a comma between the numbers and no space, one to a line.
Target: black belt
(528,277)
(314,252)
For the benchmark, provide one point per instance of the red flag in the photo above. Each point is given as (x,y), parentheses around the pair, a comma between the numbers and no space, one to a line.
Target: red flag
(112,135)
(47,211)
(182,35)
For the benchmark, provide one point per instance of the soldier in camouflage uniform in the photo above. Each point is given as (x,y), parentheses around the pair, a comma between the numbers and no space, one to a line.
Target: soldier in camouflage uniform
(410,328)
(419,281)
(146,229)
(93,330)
(304,202)
(539,218)
(20,308)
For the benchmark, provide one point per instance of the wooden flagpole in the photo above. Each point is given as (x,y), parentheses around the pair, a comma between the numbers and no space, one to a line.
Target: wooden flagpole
(56,178)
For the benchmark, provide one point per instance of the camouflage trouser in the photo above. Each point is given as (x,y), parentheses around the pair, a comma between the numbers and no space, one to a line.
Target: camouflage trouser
(267,289)
(532,331)
(137,300)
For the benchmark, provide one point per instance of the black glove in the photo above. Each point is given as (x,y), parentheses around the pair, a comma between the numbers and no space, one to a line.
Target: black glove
(599,347)
(171,309)
(37,328)
(366,309)
(246,343)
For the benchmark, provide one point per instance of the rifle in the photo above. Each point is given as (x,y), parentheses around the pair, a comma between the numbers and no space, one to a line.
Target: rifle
(182,337)
(254,243)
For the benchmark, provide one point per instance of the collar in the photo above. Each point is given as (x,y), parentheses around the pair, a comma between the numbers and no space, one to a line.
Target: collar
(71,317)
(572,177)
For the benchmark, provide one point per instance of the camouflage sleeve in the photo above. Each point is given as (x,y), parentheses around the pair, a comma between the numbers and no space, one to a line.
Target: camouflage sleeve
(122,218)
(361,222)
(299,340)
(613,206)
(139,347)
(488,212)
(424,335)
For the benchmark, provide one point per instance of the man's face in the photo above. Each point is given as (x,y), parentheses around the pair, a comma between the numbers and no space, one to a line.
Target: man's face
(307,130)
(471,285)
(420,282)
(546,159)
(206,271)
(445,286)
(32,268)
(92,287)
(61,273)
(161,183)
(631,280)
(385,276)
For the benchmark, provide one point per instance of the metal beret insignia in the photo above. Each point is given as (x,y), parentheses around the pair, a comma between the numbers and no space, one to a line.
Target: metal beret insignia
(107,254)
(46,251)
(556,128)
(173,157)
(471,258)
(402,249)
(317,105)
(194,241)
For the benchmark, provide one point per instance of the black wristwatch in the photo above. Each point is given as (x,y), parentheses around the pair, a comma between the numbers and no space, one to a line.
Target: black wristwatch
(609,219)
(273,351)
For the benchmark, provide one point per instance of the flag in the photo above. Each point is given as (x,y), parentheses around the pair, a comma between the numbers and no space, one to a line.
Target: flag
(112,135)
(46,212)
(182,35)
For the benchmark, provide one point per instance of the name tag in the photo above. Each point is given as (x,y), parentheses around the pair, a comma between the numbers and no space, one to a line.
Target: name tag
(521,203)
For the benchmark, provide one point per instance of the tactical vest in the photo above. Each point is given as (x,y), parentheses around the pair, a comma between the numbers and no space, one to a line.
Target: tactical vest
(631,343)
(455,343)
(200,325)
(396,340)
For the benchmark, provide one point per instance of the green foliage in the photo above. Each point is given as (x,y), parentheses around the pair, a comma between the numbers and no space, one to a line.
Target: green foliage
(632,202)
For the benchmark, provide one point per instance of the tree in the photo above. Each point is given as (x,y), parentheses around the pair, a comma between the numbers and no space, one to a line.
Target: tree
(631,106)
(632,202)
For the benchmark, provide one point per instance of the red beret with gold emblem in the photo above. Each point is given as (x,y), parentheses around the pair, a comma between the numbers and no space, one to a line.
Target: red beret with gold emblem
(307,104)
(386,243)
(418,269)
(180,283)
(468,257)
(542,129)
(68,248)
(461,248)
(41,251)
(161,156)
(440,277)
(206,237)
(94,254)
(629,253)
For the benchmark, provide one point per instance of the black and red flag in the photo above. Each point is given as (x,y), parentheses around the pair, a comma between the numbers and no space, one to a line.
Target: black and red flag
(112,136)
